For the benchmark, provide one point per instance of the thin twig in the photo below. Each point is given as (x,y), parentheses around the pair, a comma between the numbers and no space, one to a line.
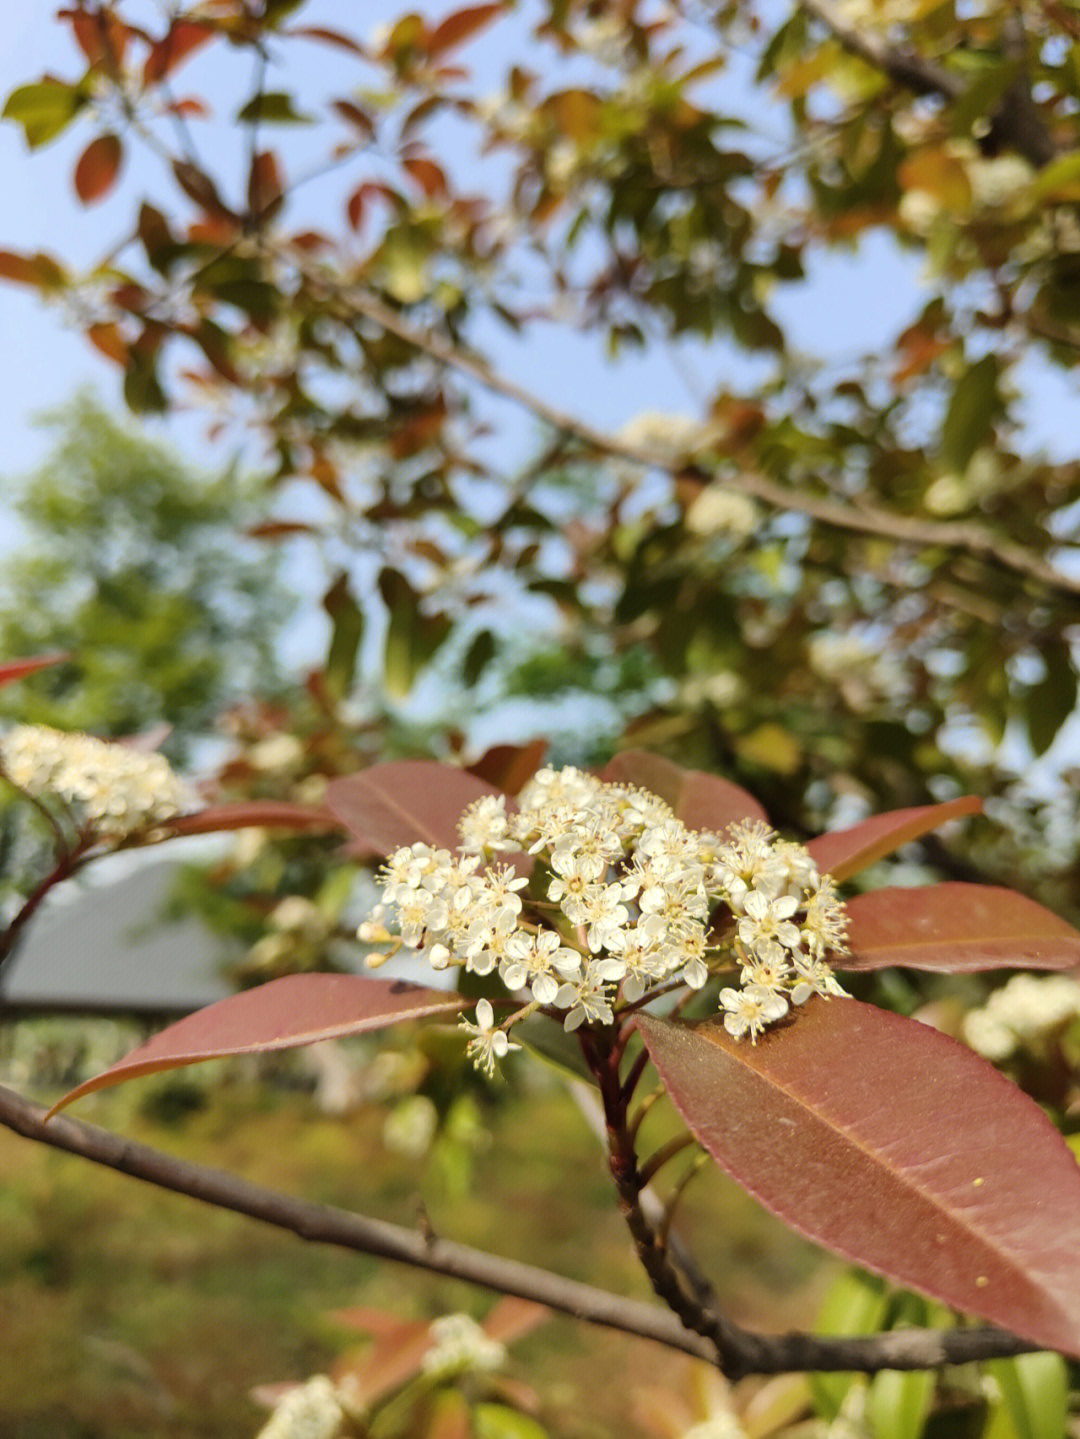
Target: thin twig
(867,520)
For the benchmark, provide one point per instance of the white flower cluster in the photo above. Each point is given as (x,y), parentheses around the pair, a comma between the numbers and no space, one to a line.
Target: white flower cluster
(116,790)
(1021,1014)
(461,1346)
(312,1411)
(623,900)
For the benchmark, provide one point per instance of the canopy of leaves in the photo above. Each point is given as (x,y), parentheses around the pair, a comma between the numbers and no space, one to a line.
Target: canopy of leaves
(132,564)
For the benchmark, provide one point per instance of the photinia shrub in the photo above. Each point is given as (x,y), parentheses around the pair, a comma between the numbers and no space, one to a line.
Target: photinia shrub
(652,914)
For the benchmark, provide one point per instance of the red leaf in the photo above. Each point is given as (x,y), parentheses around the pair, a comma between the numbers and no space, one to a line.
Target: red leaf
(248,813)
(15,669)
(39,270)
(843,852)
(198,186)
(427,175)
(701,801)
(899,1149)
(264,184)
(958,927)
(509,766)
(98,167)
(328,36)
(110,342)
(459,27)
(167,53)
(399,803)
(282,1014)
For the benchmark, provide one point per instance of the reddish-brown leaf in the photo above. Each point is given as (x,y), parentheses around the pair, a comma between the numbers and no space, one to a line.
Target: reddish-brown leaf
(399,803)
(460,26)
(957,927)
(98,167)
(39,270)
(427,175)
(264,184)
(15,669)
(249,813)
(282,1014)
(184,37)
(843,852)
(102,37)
(896,1147)
(509,766)
(701,801)
(326,35)
(198,186)
(108,339)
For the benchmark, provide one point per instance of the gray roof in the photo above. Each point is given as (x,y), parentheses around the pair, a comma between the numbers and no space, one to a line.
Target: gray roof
(108,946)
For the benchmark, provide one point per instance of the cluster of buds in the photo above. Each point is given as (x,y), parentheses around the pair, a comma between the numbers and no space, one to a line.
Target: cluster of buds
(623,901)
(113,789)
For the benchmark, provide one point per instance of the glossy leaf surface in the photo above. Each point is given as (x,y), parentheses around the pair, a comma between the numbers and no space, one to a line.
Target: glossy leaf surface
(958,927)
(899,1149)
(255,813)
(843,852)
(282,1014)
(701,801)
(403,802)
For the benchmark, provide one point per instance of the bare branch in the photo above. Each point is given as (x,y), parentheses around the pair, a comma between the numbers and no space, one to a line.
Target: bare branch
(745,1353)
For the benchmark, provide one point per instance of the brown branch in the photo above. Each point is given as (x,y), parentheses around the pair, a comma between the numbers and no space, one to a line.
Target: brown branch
(745,1353)
(1016,121)
(900,529)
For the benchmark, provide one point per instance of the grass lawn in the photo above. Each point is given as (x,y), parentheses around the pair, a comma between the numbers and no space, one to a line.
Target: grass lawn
(129,1313)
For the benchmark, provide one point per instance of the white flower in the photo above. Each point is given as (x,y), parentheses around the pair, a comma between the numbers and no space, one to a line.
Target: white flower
(116,789)
(585,997)
(766,927)
(750,1010)
(487,1043)
(461,1346)
(484,826)
(312,1411)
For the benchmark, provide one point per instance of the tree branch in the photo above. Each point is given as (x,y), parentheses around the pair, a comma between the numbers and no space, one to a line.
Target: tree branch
(901,529)
(1016,122)
(746,1353)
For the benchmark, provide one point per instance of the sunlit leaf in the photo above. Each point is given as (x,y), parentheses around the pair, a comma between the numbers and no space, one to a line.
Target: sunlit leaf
(957,927)
(843,852)
(44,109)
(701,801)
(896,1147)
(282,1014)
(1035,1388)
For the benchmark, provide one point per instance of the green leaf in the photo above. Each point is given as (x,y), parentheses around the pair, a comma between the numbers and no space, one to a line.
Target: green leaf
(477,657)
(44,110)
(855,1304)
(348,631)
(1049,703)
(897,1403)
(974,404)
(412,637)
(1035,1388)
(497,1421)
(272,107)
